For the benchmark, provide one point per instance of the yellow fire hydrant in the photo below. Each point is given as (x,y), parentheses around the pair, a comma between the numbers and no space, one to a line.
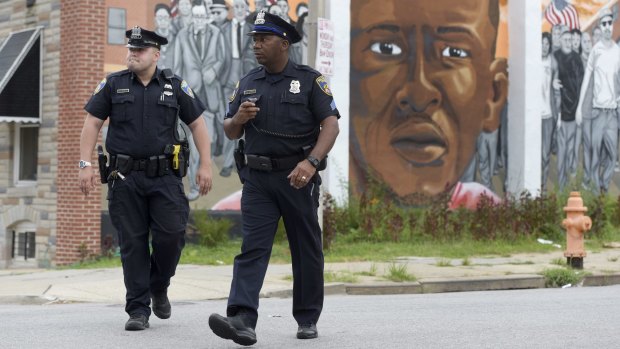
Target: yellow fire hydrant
(576,224)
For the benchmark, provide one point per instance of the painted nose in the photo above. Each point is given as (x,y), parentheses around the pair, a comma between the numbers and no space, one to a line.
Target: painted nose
(419,94)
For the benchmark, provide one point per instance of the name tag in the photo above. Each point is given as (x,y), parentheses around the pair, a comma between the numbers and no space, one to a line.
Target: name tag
(249,92)
(122,90)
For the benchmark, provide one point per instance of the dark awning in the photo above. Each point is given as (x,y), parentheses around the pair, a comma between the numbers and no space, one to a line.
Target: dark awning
(20,76)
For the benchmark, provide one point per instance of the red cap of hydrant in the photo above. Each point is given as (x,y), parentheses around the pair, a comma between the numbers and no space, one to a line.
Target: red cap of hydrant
(575,203)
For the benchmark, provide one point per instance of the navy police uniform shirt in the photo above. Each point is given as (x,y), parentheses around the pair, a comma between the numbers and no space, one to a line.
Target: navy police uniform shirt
(142,118)
(293,102)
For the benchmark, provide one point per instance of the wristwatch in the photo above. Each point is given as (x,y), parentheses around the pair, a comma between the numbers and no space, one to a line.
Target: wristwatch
(84,164)
(314,161)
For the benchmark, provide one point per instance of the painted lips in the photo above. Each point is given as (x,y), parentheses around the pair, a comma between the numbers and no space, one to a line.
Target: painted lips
(419,143)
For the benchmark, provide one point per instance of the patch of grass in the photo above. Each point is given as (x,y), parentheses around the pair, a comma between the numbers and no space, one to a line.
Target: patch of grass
(399,273)
(465,262)
(613,259)
(288,278)
(444,263)
(341,251)
(559,261)
(371,272)
(340,276)
(559,277)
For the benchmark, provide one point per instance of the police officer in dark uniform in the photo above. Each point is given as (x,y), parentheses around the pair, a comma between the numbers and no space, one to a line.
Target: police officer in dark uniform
(145,189)
(290,122)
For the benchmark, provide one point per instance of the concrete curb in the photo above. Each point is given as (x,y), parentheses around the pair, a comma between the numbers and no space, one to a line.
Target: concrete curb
(484,284)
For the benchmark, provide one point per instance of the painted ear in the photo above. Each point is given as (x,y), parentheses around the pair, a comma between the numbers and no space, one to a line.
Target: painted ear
(497,95)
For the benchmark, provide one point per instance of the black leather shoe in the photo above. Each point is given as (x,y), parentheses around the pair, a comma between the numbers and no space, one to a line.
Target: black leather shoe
(307,331)
(161,305)
(137,322)
(234,328)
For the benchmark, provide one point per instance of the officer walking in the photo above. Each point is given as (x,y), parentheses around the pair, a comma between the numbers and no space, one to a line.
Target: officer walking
(147,163)
(290,122)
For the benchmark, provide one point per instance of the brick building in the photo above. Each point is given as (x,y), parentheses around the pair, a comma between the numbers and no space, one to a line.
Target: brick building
(52,55)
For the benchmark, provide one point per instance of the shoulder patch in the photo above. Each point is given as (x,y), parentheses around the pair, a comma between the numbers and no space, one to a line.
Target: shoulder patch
(188,90)
(323,85)
(100,86)
(234,93)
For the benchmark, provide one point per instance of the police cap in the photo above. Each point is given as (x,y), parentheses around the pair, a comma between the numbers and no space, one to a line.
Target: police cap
(266,23)
(141,38)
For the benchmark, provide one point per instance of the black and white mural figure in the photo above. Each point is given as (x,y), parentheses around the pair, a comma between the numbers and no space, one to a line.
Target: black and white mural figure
(163,27)
(199,57)
(183,17)
(598,105)
(219,11)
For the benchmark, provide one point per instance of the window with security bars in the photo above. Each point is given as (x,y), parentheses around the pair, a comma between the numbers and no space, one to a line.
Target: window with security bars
(117,24)
(23,245)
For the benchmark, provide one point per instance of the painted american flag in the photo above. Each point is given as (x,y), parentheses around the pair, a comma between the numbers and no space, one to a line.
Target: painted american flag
(561,12)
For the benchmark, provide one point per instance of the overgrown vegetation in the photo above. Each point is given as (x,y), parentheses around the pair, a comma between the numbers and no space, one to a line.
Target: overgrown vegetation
(559,277)
(211,231)
(376,218)
(398,273)
(375,228)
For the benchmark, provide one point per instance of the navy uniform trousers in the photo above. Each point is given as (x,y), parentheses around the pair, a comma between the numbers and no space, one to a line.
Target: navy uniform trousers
(139,205)
(267,196)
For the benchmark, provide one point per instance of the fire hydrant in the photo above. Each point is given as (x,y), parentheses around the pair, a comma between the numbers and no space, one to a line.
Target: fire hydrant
(576,224)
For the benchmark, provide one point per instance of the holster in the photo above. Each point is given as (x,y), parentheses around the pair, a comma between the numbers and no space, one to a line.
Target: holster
(183,160)
(124,164)
(239,155)
(102,159)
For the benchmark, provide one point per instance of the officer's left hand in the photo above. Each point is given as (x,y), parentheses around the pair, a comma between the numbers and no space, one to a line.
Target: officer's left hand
(204,179)
(301,174)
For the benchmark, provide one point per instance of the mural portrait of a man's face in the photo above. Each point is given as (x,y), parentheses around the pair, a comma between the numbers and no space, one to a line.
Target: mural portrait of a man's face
(424,84)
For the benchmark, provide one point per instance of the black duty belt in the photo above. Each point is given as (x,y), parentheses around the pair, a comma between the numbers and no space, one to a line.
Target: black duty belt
(265,163)
(155,166)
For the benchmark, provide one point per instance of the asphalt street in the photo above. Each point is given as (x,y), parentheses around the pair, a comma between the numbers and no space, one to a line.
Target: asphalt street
(579,317)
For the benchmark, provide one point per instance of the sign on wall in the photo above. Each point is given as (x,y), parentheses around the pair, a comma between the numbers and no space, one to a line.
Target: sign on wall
(325,47)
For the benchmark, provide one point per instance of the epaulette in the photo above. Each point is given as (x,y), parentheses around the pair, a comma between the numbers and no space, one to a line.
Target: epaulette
(255,70)
(119,73)
(308,68)
(168,74)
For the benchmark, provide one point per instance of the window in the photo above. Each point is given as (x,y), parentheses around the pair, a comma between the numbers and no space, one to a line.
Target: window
(26,153)
(117,25)
(24,245)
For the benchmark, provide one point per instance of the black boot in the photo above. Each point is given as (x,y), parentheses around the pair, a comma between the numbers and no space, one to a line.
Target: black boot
(235,328)
(161,304)
(307,331)
(137,322)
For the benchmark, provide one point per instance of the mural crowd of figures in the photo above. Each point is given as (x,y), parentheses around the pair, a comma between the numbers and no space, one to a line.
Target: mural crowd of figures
(581,68)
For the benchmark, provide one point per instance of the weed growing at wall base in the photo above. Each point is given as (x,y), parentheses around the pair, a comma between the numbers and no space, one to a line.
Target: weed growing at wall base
(375,217)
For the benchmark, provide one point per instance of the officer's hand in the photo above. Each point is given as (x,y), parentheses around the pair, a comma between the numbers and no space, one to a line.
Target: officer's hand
(204,179)
(301,174)
(87,179)
(247,111)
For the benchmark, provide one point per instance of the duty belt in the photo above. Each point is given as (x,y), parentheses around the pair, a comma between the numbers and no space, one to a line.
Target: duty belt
(155,166)
(269,164)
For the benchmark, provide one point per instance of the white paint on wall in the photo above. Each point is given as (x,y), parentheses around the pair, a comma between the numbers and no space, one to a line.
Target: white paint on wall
(524,97)
(336,177)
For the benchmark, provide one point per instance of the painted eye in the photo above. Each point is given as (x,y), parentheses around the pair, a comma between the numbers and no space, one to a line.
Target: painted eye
(454,52)
(386,48)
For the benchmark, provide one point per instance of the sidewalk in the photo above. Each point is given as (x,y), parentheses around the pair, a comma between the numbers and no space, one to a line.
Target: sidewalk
(194,282)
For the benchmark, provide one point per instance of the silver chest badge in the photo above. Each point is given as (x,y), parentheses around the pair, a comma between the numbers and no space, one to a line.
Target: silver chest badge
(295,86)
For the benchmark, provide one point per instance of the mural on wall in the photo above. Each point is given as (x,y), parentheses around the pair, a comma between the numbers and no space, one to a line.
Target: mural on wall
(581,68)
(428,95)
(209,48)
